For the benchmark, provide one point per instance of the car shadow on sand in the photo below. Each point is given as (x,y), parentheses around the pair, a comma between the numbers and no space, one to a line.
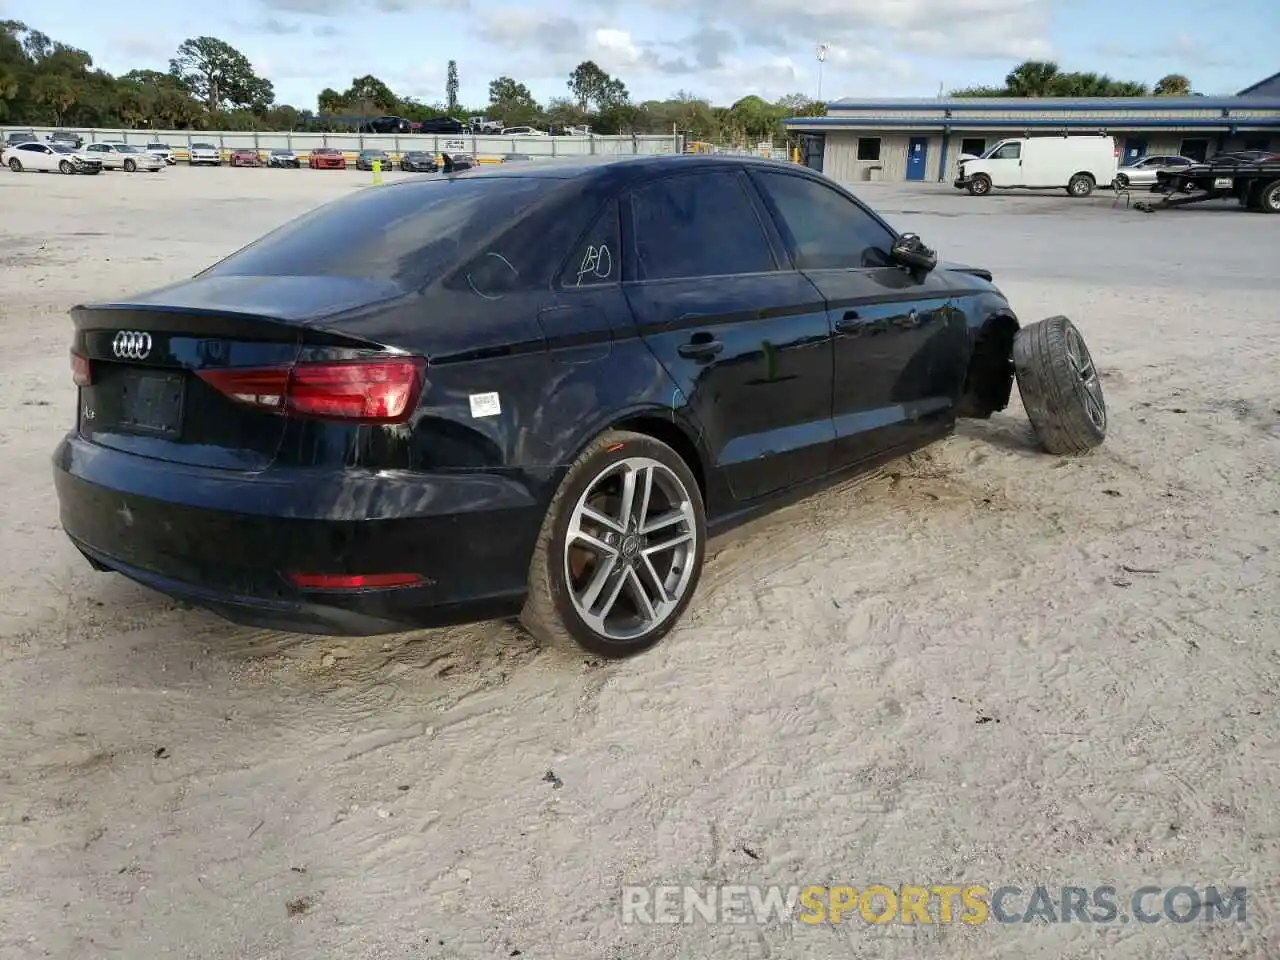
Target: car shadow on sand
(1010,433)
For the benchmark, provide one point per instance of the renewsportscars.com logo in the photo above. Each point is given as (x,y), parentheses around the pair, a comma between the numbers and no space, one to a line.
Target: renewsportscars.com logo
(933,904)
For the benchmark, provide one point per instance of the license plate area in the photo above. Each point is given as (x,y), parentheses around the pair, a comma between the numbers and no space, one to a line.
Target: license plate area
(151,403)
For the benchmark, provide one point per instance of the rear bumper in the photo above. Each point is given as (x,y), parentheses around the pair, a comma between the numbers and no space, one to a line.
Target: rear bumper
(227,541)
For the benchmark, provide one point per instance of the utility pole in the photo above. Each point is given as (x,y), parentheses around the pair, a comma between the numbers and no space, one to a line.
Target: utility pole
(822,51)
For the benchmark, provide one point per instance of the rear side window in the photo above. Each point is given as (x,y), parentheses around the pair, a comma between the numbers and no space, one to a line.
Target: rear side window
(405,235)
(698,225)
(597,259)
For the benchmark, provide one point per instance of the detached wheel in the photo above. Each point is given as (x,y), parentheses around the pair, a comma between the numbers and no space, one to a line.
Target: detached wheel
(15,165)
(980,185)
(66,167)
(621,549)
(1269,198)
(1081,185)
(1059,386)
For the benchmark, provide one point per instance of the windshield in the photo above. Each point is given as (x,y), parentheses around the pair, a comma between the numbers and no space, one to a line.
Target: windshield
(203,146)
(60,148)
(407,237)
(125,148)
(157,146)
(992,149)
(280,153)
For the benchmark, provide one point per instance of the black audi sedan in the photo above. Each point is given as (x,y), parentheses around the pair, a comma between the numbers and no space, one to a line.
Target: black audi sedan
(531,389)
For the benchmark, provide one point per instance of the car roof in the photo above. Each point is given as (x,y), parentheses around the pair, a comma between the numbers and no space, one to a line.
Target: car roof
(625,169)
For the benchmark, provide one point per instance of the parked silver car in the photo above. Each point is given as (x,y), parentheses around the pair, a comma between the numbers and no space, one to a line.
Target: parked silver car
(125,156)
(1142,172)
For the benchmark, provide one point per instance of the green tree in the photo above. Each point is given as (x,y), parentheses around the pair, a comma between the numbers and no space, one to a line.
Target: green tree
(368,95)
(511,102)
(220,75)
(591,86)
(451,87)
(1173,85)
(56,92)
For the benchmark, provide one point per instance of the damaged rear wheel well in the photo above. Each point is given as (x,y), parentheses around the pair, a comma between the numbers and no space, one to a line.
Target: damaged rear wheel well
(988,383)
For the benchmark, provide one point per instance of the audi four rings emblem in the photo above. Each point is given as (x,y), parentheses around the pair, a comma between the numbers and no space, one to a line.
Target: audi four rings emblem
(131,345)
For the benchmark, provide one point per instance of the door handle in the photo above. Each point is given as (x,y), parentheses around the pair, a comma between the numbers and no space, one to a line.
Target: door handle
(699,349)
(848,323)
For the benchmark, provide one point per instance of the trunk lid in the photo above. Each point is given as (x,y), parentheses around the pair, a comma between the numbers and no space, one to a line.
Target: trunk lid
(144,393)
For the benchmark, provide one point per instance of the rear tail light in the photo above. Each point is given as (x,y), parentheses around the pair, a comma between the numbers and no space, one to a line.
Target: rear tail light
(81,371)
(358,391)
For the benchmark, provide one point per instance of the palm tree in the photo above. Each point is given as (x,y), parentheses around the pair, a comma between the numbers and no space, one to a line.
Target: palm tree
(1035,78)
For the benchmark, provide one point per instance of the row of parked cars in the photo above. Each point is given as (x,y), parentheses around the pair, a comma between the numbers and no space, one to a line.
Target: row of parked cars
(50,156)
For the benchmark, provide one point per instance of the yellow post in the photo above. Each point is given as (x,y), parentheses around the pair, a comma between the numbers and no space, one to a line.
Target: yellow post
(795,154)
(377,173)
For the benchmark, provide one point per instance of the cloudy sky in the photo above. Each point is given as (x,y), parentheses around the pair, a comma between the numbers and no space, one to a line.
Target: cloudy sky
(721,49)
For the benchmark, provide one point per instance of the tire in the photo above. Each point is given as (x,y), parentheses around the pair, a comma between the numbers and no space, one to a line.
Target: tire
(1059,386)
(980,185)
(15,165)
(66,167)
(1081,185)
(130,166)
(1269,198)
(552,613)
(1122,181)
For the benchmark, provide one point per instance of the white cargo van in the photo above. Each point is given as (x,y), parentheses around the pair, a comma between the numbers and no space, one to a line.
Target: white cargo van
(1074,164)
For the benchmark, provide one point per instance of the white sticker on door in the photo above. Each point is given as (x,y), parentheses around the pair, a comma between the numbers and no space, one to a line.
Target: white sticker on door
(485,405)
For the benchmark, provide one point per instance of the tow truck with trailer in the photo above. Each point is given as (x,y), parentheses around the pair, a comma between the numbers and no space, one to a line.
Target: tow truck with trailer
(1250,176)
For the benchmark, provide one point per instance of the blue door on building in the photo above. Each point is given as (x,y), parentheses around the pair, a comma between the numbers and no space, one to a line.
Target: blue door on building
(917,155)
(1135,148)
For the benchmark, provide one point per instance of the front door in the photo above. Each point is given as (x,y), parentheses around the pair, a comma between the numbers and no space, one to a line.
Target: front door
(743,336)
(1135,148)
(917,157)
(898,342)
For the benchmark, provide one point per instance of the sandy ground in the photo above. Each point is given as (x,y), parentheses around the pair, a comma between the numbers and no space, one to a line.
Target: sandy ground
(982,663)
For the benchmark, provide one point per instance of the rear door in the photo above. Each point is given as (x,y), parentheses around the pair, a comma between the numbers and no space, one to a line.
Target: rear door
(742,334)
(899,344)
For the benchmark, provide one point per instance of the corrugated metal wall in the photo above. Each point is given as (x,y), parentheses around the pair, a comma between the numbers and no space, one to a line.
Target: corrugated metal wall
(477,146)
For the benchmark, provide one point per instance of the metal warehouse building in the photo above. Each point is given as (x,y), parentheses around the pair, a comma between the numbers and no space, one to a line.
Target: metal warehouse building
(910,139)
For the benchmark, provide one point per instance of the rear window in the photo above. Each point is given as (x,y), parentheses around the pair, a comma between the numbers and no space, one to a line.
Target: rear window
(406,235)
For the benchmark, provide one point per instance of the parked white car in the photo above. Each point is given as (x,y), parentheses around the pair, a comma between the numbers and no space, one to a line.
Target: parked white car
(204,152)
(1076,164)
(125,156)
(163,151)
(48,158)
(524,132)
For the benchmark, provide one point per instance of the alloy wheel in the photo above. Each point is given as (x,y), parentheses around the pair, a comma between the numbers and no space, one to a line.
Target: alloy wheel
(1091,388)
(630,547)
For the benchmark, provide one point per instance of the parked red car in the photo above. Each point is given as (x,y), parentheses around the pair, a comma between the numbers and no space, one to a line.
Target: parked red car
(327,158)
(245,157)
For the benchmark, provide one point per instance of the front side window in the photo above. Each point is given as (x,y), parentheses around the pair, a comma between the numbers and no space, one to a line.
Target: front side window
(828,230)
(1008,151)
(698,225)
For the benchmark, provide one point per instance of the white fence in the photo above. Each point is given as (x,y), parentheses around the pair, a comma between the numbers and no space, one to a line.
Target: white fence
(477,146)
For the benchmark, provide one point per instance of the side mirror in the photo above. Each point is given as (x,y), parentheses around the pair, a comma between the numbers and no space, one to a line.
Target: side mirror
(909,251)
